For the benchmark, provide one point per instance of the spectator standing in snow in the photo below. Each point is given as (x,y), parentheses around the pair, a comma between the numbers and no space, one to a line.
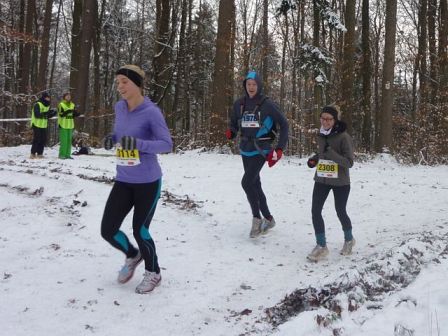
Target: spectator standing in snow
(333,161)
(140,133)
(40,114)
(256,118)
(66,115)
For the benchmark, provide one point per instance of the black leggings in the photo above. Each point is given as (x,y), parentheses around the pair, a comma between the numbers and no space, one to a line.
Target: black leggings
(252,185)
(143,197)
(39,140)
(320,194)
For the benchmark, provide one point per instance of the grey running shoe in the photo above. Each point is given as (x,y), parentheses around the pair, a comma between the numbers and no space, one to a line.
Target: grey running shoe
(256,227)
(318,253)
(128,269)
(348,246)
(150,281)
(267,225)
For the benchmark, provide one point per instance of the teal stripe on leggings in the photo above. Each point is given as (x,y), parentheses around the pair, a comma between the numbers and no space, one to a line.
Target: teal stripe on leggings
(120,238)
(144,231)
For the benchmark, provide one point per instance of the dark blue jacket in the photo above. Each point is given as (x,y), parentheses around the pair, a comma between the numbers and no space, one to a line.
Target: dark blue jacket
(257,120)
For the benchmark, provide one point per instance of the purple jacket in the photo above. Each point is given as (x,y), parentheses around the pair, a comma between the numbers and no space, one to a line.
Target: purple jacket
(147,125)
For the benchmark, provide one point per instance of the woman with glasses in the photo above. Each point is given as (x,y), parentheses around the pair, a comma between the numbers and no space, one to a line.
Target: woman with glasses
(334,158)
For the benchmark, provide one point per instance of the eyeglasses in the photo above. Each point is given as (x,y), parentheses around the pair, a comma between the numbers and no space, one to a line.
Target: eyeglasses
(326,119)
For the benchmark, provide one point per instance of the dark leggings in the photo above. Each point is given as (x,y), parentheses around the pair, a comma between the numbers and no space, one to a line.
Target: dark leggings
(143,197)
(39,140)
(252,185)
(320,194)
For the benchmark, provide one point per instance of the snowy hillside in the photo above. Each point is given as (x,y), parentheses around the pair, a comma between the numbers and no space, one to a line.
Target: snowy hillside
(59,276)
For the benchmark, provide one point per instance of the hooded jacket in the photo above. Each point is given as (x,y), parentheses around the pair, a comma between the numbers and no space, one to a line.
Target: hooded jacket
(257,119)
(147,124)
(338,147)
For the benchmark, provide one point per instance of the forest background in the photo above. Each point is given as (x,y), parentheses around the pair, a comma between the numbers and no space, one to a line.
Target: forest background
(385,63)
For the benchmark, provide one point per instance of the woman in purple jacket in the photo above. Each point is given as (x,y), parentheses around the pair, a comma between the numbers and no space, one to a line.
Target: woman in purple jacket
(140,133)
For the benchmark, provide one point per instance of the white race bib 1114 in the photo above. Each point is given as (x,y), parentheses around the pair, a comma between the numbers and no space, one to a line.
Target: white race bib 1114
(128,157)
(327,168)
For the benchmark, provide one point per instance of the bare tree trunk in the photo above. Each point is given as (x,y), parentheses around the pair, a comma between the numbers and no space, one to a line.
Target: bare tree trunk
(265,48)
(87,34)
(25,57)
(75,46)
(96,101)
(348,65)
(179,88)
(443,73)
(45,46)
(55,44)
(316,42)
(387,88)
(222,86)
(283,66)
(422,54)
(366,70)
(432,17)
(162,52)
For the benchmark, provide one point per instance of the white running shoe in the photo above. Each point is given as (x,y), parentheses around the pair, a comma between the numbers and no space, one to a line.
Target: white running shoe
(348,247)
(150,281)
(128,269)
(318,253)
(256,227)
(267,225)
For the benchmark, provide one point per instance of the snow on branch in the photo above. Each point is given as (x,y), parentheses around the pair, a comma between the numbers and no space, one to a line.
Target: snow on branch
(330,16)
(314,59)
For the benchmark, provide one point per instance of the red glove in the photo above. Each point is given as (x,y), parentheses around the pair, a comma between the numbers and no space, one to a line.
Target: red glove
(274,156)
(229,134)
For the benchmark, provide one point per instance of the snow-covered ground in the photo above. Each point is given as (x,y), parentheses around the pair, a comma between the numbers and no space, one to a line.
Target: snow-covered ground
(58,276)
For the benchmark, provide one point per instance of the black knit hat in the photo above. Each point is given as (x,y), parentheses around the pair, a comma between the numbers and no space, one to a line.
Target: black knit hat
(331,110)
(45,94)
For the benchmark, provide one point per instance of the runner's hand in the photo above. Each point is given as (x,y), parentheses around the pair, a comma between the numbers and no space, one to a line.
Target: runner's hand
(128,143)
(274,156)
(108,142)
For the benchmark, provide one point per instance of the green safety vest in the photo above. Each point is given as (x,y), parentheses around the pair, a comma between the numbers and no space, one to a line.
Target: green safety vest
(41,122)
(66,121)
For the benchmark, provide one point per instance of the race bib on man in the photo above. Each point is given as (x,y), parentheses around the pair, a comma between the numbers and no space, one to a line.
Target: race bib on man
(327,168)
(128,157)
(249,121)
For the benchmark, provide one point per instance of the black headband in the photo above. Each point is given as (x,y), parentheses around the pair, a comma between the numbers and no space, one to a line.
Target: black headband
(132,75)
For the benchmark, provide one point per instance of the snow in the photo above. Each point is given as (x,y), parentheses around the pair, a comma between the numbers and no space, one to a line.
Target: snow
(58,274)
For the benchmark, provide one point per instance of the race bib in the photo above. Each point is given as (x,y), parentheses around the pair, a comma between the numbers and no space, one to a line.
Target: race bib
(249,121)
(327,168)
(128,157)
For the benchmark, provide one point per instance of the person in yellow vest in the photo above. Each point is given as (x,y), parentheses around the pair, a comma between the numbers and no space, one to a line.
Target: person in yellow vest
(66,115)
(39,121)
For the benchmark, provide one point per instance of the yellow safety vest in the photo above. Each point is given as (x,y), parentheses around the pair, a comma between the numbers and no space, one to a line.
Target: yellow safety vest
(41,122)
(66,121)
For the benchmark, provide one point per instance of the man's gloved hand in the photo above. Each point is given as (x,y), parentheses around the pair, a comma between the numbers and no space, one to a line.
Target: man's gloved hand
(128,143)
(311,162)
(108,142)
(274,156)
(230,134)
(51,113)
